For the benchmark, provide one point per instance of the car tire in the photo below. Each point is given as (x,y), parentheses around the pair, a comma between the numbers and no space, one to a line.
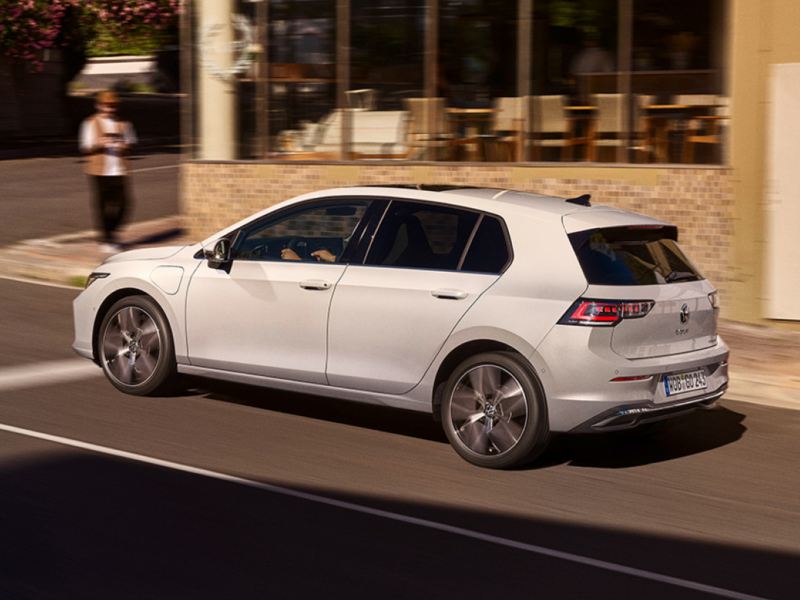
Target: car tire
(135,348)
(494,412)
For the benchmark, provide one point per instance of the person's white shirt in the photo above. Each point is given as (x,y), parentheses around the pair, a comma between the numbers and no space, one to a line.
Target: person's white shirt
(113,164)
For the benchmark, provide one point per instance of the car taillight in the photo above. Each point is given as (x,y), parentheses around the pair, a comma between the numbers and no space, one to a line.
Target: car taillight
(605,312)
(713,297)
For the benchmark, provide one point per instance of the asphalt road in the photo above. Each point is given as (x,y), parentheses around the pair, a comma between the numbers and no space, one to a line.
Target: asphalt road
(713,500)
(41,197)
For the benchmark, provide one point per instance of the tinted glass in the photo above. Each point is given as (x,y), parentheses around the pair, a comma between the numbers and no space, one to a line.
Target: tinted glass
(422,236)
(318,233)
(488,252)
(632,256)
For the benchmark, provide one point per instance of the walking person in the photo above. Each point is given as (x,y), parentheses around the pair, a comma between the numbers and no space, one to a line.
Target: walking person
(106,140)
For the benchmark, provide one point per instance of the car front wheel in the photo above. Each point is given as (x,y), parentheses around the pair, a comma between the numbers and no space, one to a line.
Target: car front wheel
(135,348)
(494,412)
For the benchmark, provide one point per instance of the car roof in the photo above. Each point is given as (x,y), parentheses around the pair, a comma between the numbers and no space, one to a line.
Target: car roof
(506,203)
(498,200)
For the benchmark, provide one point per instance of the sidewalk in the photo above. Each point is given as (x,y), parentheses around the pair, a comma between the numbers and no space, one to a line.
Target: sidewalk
(764,363)
(67,259)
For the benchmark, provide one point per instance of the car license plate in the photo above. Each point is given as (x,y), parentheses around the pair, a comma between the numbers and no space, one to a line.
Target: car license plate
(684,382)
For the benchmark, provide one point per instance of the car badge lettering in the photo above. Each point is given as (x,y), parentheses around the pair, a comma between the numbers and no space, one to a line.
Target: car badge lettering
(684,314)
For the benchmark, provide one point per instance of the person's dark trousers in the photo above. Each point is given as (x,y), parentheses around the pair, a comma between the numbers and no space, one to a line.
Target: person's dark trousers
(111,203)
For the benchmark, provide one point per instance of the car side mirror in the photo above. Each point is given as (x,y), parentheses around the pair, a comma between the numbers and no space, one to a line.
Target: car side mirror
(220,254)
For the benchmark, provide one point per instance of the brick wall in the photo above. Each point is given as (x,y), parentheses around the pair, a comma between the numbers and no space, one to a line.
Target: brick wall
(698,200)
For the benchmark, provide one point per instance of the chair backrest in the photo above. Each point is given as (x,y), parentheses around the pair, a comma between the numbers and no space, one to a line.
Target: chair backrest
(426,116)
(548,114)
(509,114)
(377,128)
(723,106)
(641,101)
(611,112)
(363,99)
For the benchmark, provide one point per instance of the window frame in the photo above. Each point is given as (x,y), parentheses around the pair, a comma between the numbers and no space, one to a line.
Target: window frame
(376,225)
(240,234)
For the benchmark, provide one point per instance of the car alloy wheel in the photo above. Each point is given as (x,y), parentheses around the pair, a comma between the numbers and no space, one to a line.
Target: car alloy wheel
(488,410)
(131,346)
(134,347)
(493,411)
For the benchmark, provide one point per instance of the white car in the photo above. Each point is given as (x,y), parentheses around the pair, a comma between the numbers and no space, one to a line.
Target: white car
(507,315)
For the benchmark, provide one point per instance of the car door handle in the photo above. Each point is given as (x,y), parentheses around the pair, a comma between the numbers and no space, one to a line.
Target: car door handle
(314,284)
(449,294)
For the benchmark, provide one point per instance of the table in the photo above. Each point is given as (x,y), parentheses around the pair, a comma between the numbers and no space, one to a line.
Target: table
(664,119)
(470,127)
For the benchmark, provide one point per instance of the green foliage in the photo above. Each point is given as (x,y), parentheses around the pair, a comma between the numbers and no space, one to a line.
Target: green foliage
(107,43)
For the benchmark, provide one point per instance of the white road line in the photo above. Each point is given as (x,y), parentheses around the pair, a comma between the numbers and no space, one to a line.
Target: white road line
(47,373)
(40,282)
(392,516)
(153,168)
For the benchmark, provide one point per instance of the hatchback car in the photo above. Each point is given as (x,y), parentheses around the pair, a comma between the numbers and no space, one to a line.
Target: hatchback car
(509,316)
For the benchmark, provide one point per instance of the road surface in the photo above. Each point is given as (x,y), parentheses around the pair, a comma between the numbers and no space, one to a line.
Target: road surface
(236,492)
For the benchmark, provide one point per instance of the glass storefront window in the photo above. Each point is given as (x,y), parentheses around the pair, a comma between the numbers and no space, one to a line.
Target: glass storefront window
(476,77)
(302,79)
(476,80)
(386,75)
(677,50)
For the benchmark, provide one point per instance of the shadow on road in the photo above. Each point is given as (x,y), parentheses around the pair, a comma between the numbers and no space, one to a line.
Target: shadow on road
(700,431)
(380,418)
(81,525)
(697,432)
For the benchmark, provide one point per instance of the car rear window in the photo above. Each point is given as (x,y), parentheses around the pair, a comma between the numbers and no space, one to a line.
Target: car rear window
(632,256)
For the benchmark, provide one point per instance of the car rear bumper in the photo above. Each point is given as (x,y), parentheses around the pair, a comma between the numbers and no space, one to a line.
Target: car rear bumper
(628,417)
(578,370)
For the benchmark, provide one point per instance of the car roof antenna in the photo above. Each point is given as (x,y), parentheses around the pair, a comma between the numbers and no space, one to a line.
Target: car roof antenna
(582,200)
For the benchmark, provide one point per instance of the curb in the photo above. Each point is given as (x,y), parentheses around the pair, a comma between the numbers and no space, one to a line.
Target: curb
(64,258)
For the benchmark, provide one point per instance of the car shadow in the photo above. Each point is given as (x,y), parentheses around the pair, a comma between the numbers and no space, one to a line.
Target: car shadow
(695,433)
(368,416)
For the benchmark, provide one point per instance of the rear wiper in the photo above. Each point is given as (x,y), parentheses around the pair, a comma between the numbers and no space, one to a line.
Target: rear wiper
(680,276)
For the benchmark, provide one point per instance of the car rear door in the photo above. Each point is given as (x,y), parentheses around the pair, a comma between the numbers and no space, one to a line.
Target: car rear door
(390,316)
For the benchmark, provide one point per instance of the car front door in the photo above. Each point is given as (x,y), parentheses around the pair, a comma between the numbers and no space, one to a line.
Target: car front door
(391,315)
(266,312)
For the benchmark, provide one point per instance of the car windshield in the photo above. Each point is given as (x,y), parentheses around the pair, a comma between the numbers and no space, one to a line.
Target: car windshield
(632,256)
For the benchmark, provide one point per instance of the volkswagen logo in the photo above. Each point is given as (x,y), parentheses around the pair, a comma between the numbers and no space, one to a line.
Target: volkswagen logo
(684,313)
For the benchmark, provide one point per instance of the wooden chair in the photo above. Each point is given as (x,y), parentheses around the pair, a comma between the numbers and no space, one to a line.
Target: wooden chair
(645,138)
(552,128)
(608,127)
(706,130)
(428,133)
(509,129)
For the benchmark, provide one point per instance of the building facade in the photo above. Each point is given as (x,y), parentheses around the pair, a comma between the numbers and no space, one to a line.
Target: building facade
(684,110)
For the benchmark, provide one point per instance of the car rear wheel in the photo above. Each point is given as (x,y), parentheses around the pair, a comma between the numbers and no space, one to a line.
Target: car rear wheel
(135,349)
(494,412)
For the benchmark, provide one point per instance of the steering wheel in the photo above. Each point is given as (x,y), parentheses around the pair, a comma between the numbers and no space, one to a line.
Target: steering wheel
(260,251)
(299,246)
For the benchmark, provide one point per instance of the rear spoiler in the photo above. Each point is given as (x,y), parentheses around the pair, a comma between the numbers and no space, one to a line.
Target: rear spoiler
(582,200)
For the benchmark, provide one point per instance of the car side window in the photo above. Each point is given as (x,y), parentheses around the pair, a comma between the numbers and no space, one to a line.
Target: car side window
(488,252)
(317,233)
(423,236)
